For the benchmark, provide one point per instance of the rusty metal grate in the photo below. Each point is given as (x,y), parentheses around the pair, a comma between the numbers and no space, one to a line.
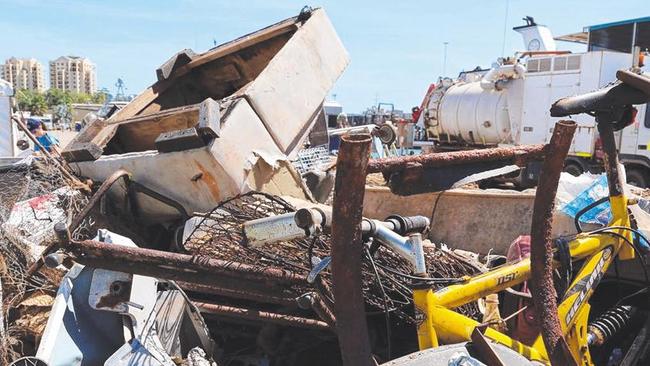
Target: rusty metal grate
(219,234)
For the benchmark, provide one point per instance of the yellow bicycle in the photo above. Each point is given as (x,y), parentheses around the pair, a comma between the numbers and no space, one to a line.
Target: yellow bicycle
(594,250)
(588,256)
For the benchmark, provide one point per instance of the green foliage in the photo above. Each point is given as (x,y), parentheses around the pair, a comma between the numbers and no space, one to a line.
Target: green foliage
(31,101)
(57,97)
(99,97)
(38,103)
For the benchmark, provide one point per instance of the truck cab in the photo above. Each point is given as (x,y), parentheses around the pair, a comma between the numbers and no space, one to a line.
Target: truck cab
(622,44)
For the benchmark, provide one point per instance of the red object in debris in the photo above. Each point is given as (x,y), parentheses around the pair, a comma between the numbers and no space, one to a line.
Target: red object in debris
(416,111)
(526,329)
(37,202)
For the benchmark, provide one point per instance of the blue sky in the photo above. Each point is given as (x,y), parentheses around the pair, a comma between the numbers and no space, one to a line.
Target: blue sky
(396,47)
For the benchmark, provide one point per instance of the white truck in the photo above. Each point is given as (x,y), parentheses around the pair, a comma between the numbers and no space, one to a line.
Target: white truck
(509,103)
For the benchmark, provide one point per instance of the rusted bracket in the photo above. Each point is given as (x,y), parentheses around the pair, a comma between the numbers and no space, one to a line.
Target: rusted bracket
(347,249)
(541,253)
(482,346)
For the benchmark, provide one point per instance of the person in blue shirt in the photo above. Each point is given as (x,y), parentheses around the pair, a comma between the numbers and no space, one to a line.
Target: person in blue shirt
(49,142)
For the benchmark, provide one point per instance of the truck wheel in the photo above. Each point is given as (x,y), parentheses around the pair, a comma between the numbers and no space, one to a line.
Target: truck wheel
(636,177)
(573,169)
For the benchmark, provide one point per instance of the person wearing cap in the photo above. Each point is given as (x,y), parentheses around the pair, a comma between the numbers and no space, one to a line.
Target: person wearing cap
(48,141)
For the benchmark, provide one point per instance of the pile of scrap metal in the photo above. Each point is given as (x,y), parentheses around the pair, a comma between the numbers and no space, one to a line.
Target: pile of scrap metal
(207,243)
(193,219)
(262,284)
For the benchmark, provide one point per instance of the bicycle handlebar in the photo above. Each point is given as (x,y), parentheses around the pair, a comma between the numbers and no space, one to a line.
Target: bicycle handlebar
(612,104)
(619,95)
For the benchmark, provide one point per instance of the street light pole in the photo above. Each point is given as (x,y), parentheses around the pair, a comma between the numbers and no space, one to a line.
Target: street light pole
(444,61)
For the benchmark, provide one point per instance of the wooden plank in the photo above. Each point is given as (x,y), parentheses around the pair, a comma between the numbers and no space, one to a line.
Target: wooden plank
(275,30)
(96,138)
(142,101)
(156,116)
(81,147)
(140,132)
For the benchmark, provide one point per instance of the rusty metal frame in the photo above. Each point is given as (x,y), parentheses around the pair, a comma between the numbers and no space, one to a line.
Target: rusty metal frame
(105,187)
(246,282)
(77,219)
(259,315)
(347,250)
(541,245)
(351,170)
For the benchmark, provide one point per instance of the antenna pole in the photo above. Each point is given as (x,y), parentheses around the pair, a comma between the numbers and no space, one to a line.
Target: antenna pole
(505,28)
(444,60)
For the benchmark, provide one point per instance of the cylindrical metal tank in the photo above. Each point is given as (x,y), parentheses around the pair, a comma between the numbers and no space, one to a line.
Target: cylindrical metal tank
(476,115)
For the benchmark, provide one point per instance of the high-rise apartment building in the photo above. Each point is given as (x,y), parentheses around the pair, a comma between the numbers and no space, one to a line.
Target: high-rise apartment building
(74,74)
(23,73)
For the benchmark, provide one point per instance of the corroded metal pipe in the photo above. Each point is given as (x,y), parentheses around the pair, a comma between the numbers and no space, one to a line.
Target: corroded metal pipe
(519,156)
(347,249)
(73,180)
(77,219)
(614,179)
(241,292)
(323,311)
(541,252)
(94,200)
(172,266)
(258,315)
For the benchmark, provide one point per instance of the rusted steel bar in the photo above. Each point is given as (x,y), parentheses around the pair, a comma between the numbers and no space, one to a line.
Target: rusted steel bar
(606,133)
(541,253)
(53,246)
(258,315)
(322,310)
(172,266)
(347,249)
(242,293)
(519,155)
(101,191)
(47,155)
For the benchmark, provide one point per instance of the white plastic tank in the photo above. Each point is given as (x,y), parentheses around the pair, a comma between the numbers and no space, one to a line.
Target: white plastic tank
(476,115)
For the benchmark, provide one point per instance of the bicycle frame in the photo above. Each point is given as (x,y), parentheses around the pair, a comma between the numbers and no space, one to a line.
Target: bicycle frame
(437,322)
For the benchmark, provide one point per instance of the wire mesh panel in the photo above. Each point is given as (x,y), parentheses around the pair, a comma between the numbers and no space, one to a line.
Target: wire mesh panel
(314,158)
(219,234)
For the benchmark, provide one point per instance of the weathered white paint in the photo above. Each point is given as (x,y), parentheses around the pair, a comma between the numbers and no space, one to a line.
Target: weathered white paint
(262,125)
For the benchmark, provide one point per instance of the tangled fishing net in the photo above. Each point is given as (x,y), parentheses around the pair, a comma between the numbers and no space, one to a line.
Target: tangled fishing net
(34,195)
